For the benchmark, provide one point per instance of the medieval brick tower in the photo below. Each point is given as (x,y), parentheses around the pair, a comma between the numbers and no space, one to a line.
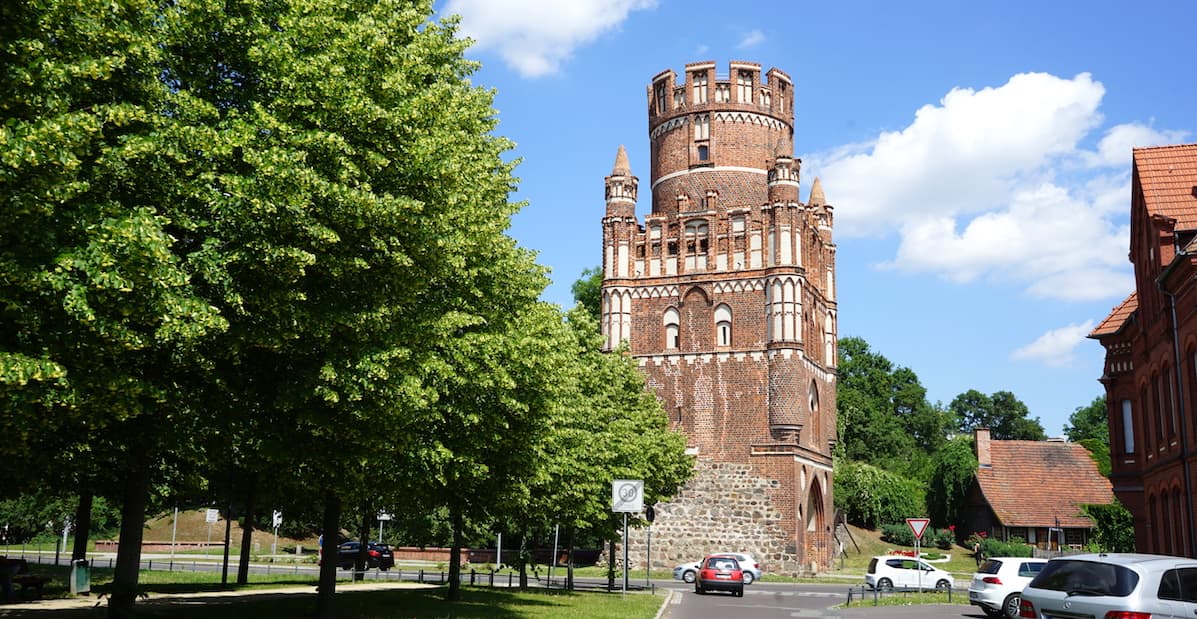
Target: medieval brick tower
(726,297)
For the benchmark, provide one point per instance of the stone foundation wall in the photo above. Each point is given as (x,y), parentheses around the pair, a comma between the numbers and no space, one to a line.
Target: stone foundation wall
(725,507)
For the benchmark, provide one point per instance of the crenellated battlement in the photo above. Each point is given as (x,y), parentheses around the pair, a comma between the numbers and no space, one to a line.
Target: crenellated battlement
(743,88)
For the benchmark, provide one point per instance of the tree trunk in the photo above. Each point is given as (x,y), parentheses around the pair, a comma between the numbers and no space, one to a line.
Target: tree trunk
(331,528)
(611,565)
(128,552)
(247,536)
(523,560)
(454,593)
(228,534)
(82,526)
(569,559)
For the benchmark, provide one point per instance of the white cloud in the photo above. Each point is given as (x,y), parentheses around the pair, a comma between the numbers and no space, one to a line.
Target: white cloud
(752,39)
(1056,347)
(993,184)
(1114,149)
(535,36)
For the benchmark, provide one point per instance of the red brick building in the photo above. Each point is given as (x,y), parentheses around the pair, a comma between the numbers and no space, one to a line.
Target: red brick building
(726,296)
(1034,490)
(1151,354)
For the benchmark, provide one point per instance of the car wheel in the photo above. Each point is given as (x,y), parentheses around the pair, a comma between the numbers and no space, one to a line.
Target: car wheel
(885,584)
(748,578)
(1010,606)
(740,592)
(698,590)
(994,612)
(688,576)
(943,585)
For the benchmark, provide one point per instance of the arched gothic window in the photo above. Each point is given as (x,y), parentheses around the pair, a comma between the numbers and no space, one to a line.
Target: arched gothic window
(671,321)
(723,326)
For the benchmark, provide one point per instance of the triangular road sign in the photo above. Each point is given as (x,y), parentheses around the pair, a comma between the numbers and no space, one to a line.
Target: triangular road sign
(918,525)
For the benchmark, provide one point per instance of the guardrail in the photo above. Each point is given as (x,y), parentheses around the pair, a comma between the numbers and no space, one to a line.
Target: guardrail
(862,594)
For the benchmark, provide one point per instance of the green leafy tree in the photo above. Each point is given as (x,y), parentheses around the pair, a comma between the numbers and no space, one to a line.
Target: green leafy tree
(588,291)
(1100,452)
(1113,527)
(1004,414)
(870,496)
(954,469)
(1090,421)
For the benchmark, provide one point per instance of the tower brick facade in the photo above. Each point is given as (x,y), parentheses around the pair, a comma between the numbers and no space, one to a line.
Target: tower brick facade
(725,294)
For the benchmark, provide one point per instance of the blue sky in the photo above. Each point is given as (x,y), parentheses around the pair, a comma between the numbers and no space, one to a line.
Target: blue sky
(977,155)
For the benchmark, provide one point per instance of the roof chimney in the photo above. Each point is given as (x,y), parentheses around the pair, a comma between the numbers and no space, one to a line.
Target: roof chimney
(981,436)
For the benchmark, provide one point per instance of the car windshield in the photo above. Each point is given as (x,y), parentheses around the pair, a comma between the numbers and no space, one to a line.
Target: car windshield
(1086,578)
(722,564)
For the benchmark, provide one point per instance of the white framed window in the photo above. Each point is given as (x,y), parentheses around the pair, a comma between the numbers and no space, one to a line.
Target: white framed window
(702,126)
(671,321)
(744,86)
(723,325)
(1128,428)
(699,82)
(659,96)
(722,93)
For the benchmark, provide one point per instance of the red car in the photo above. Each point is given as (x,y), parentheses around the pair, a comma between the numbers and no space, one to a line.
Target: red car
(720,573)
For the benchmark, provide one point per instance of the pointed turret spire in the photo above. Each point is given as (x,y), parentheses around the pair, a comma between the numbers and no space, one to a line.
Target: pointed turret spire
(816,194)
(622,168)
(622,187)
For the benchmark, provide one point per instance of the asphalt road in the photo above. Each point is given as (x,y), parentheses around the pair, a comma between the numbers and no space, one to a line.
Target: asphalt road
(764,600)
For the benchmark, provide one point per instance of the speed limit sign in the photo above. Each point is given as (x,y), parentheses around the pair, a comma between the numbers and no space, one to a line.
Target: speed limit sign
(627,495)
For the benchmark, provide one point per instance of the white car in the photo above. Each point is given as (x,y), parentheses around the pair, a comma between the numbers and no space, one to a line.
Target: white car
(896,572)
(752,570)
(998,584)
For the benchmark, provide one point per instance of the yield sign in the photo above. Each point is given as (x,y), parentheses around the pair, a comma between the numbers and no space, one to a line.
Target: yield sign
(918,525)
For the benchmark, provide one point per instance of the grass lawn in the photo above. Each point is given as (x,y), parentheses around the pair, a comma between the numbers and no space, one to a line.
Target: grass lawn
(350,603)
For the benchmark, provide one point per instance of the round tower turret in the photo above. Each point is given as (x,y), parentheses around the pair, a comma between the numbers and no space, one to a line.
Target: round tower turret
(712,131)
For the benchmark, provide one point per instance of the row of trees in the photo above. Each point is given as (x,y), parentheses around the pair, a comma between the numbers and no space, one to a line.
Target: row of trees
(253,254)
(899,454)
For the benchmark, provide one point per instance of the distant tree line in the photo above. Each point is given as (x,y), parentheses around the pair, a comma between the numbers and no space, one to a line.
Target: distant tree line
(899,455)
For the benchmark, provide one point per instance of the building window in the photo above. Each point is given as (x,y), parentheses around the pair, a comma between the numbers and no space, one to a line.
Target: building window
(722,93)
(1128,428)
(814,398)
(723,326)
(671,321)
(744,86)
(704,152)
(697,240)
(702,126)
(659,96)
(699,80)
(766,98)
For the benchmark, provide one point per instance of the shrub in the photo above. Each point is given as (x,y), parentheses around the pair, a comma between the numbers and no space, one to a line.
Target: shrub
(1016,547)
(940,538)
(899,534)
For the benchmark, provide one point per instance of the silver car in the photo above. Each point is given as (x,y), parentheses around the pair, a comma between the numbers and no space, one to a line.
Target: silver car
(1128,586)
(999,581)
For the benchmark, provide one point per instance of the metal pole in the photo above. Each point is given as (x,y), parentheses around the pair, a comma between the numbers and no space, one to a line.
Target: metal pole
(499,552)
(648,553)
(174,527)
(918,558)
(553,560)
(625,552)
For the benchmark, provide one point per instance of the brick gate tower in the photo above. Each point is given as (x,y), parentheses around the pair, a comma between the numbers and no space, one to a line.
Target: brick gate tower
(726,297)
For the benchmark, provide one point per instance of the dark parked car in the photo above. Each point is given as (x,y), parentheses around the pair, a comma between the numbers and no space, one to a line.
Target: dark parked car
(377,555)
(720,573)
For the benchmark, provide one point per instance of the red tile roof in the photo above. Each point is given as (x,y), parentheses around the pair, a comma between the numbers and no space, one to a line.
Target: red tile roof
(1032,483)
(1168,178)
(1118,317)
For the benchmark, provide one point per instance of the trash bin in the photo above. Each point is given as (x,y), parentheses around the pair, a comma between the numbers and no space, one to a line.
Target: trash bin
(80,577)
